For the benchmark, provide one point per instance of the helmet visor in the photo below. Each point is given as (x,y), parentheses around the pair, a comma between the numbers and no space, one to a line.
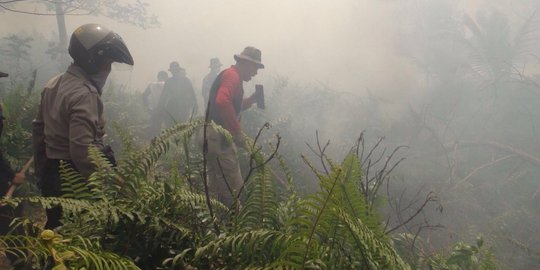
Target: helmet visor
(114,48)
(117,66)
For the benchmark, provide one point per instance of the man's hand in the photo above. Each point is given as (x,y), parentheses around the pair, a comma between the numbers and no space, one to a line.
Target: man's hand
(240,140)
(18,179)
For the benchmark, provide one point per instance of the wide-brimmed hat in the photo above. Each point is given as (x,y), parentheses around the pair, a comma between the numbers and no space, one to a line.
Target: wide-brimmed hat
(214,62)
(250,54)
(174,66)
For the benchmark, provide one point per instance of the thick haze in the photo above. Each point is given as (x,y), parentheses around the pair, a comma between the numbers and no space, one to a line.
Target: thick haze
(458,82)
(347,44)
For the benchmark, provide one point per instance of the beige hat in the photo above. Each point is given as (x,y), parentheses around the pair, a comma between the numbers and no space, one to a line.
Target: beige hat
(250,54)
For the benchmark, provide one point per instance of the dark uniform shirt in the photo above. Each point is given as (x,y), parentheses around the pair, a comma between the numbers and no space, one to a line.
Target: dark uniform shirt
(70,119)
(178,100)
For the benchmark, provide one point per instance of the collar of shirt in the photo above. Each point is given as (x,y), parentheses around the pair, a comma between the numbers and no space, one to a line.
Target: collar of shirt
(78,72)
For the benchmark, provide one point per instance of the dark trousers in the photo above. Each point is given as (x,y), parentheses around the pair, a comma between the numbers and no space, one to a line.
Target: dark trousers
(51,186)
(6,216)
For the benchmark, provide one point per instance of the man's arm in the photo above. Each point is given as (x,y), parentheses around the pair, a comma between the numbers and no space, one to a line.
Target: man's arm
(83,126)
(225,105)
(248,102)
(229,87)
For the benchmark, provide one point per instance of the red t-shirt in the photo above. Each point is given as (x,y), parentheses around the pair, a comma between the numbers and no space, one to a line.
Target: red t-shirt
(231,89)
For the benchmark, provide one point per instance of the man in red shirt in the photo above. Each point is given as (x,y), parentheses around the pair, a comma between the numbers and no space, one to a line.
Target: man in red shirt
(226,103)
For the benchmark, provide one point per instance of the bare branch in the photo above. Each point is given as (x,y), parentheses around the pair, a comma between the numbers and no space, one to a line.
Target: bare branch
(466,178)
(521,153)
(67,13)
(431,197)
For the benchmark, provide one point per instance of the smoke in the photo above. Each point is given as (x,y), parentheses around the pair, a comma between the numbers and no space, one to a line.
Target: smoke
(413,70)
(346,44)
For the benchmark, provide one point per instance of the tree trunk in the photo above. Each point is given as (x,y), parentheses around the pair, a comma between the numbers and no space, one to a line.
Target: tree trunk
(61,22)
(63,58)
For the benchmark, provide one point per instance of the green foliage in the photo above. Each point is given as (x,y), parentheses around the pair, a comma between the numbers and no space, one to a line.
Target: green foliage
(337,217)
(126,212)
(162,215)
(465,257)
(16,48)
(121,212)
(128,119)
(143,213)
(331,229)
(77,253)
(20,108)
(261,203)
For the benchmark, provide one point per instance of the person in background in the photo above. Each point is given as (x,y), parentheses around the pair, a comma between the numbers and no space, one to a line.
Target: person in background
(215,67)
(226,103)
(7,178)
(153,91)
(178,102)
(70,115)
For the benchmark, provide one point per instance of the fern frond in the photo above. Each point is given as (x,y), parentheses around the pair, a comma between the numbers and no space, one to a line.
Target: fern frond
(84,254)
(255,248)
(104,182)
(328,235)
(260,210)
(23,246)
(129,145)
(135,169)
(350,197)
(77,254)
(68,205)
(377,253)
(74,186)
